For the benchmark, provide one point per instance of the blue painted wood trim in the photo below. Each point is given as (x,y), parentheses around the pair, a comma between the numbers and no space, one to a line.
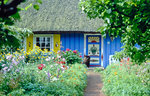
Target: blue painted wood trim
(73,41)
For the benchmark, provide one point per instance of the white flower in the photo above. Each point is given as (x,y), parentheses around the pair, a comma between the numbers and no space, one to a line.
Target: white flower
(5,68)
(58,56)
(54,79)
(3,65)
(48,59)
(51,66)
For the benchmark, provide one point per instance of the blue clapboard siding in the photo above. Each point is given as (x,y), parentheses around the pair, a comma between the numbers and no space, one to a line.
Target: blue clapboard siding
(73,41)
(109,48)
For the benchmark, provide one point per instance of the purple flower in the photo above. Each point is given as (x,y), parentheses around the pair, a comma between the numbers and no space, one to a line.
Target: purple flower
(49,75)
(14,61)
(58,73)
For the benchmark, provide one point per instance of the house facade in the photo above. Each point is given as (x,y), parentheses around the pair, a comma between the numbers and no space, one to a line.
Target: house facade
(59,24)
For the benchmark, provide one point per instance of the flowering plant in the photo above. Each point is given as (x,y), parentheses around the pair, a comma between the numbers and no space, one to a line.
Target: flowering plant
(72,57)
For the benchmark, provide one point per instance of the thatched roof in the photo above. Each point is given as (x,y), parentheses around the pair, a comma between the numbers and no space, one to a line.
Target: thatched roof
(58,15)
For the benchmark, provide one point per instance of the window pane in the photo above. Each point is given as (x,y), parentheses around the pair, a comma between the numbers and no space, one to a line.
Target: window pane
(37,39)
(48,45)
(48,39)
(38,44)
(43,45)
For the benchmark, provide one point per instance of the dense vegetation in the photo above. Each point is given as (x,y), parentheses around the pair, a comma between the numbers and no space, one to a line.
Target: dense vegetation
(126,79)
(128,19)
(33,74)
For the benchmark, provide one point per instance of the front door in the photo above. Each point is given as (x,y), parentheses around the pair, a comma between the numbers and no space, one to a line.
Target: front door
(93,49)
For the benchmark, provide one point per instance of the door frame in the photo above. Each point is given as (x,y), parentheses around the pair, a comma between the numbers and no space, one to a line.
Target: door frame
(85,44)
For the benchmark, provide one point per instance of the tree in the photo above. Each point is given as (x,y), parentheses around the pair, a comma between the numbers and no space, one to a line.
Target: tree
(9,13)
(129,19)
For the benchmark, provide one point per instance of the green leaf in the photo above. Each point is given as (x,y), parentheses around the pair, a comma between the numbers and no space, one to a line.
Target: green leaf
(27,7)
(39,1)
(108,11)
(36,7)
(16,16)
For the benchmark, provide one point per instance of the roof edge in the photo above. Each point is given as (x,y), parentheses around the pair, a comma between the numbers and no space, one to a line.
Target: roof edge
(59,32)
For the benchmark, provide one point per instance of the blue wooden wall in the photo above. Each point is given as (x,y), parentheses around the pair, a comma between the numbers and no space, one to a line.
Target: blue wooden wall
(73,41)
(109,48)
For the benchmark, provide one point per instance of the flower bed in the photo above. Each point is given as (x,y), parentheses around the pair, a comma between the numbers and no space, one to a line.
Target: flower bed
(126,79)
(33,74)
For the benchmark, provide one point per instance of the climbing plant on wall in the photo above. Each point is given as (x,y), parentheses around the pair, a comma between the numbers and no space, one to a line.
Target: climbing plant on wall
(129,19)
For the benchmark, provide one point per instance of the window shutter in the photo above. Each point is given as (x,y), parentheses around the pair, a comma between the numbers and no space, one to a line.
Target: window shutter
(29,43)
(56,42)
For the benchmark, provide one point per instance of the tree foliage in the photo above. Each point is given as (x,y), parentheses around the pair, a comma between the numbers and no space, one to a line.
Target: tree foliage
(129,19)
(9,13)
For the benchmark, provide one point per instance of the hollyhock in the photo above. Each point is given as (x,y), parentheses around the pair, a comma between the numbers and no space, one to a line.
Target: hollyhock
(75,51)
(67,49)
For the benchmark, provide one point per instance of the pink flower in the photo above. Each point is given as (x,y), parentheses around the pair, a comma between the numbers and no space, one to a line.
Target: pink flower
(80,56)
(67,49)
(63,59)
(75,51)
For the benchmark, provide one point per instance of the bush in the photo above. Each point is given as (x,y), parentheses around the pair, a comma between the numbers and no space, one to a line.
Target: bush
(125,79)
(72,57)
(46,76)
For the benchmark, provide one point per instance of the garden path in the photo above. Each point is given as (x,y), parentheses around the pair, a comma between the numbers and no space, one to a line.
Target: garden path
(94,85)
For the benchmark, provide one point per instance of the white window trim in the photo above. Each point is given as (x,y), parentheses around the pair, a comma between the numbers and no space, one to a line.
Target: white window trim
(43,35)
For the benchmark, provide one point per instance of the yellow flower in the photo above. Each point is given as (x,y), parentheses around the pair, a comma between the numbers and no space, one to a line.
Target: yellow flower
(108,80)
(115,73)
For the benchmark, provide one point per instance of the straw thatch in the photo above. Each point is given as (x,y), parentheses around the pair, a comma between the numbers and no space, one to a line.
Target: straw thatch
(58,15)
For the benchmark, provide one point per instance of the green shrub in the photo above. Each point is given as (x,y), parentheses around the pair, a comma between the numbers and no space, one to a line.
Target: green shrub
(125,79)
(72,57)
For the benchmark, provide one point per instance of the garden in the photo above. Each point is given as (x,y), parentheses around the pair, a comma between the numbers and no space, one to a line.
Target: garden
(42,73)
(126,78)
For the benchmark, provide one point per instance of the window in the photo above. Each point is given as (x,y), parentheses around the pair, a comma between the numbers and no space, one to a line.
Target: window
(44,41)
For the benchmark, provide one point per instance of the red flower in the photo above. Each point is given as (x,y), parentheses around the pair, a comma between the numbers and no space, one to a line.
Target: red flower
(64,66)
(41,66)
(128,59)
(120,64)
(75,51)
(67,49)
(80,56)
(121,60)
